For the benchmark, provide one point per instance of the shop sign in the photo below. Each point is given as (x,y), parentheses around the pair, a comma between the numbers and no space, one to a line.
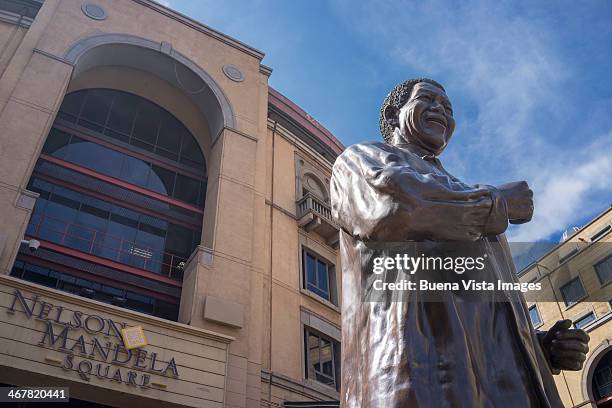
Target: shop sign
(95,346)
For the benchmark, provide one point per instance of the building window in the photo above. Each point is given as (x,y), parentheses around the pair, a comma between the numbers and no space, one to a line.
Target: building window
(534,314)
(572,291)
(319,276)
(322,358)
(122,187)
(133,120)
(93,289)
(569,255)
(599,234)
(604,270)
(584,320)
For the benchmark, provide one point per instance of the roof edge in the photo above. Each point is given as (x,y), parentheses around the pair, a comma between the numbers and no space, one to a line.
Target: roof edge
(254,52)
(303,120)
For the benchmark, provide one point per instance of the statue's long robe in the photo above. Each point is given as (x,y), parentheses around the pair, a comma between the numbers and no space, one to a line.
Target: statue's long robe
(429,354)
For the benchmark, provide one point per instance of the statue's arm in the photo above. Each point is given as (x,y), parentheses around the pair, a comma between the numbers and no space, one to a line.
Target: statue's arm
(391,202)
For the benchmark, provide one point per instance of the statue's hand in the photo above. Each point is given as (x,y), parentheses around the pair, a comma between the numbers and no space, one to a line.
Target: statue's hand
(565,348)
(519,199)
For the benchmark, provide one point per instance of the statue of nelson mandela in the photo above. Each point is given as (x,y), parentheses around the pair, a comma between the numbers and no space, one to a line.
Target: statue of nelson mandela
(436,354)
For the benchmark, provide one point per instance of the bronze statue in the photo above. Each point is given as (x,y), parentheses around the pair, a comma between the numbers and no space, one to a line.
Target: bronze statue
(436,354)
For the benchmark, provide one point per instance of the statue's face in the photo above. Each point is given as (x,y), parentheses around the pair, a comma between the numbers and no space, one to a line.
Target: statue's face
(427,118)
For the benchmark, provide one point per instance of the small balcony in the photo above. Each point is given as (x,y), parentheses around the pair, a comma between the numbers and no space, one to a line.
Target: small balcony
(314,215)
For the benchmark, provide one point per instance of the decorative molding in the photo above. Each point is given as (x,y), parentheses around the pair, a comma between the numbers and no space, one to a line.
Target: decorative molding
(82,46)
(238,132)
(94,11)
(53,57)
(233,73)
(211,32)
(14,18)
(281,209)
(305,388)
(320,324)
(263,69)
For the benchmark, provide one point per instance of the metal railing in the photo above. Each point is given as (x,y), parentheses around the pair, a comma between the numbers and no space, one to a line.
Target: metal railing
(92,241)
(309,202)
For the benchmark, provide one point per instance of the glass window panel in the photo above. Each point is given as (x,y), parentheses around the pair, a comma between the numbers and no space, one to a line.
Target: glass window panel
(72,103)
(56,143)
(96,157)
(179,240)
(311,270)
(167,154)
(584,321)
(120,229)
(604,270)
(152,229)
(322,359)
(107,245)
(38,274)
(96,108)
(122,115)
(147,122)
(143,145)
(95,222)
(166,310)
(536,320)
(60,211)
(104,293)
(117,135)
(66,197)
(187,189)
(191,151)
(323,276)
(112,291)
(40,185)
(572,291)
(139,297)
(66,117)
(161,180)
(135,171)
(170,134)
(124,220)
(151,243)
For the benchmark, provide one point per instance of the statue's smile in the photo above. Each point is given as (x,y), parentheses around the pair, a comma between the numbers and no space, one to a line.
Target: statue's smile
(438,119)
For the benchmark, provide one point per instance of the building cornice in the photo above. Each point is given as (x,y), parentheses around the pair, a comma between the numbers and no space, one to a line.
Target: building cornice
(188,21)
(303,125)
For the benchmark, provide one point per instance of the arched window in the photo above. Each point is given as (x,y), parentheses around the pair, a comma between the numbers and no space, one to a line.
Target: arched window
(311,184)
(602,380)
(122,187)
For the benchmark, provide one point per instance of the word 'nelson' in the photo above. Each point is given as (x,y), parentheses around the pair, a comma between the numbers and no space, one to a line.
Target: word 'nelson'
(111,352)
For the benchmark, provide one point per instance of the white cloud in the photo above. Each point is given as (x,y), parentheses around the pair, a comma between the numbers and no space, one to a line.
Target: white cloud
(509,67)
(165,3)
(563,193)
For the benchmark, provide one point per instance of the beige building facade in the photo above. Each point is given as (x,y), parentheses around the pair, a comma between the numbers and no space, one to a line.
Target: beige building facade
(151,178)
(576,279)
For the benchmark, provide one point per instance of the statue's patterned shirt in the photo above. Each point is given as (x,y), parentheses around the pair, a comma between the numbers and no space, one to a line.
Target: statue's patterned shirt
(429,354)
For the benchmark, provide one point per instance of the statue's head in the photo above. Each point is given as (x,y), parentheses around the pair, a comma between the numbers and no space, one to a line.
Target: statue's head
(418,111)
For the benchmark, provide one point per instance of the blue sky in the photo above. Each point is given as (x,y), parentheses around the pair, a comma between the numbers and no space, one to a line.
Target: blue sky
(529,81)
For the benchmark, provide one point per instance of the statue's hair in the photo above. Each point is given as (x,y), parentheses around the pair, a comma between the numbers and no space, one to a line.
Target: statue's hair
(397,98)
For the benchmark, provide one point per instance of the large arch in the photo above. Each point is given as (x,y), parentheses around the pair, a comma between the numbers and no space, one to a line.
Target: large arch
(589,368)
(161,60)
